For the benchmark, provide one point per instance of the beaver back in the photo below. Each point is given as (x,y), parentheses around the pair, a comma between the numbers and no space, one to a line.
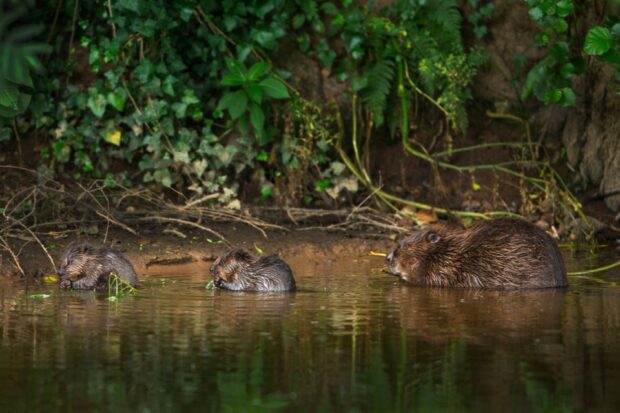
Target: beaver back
(499,253)
(83,266)
(237,270)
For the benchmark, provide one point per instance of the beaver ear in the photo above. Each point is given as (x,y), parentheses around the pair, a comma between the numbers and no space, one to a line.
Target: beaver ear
(433,237)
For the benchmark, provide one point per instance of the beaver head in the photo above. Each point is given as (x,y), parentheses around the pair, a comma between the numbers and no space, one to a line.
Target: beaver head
(229,264)
(415,259)
(74,260)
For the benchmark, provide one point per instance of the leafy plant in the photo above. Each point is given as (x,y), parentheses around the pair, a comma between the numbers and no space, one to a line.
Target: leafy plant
(19,51)
(603,42)
(117,287)
(550,79)
(255,87)
(477,16)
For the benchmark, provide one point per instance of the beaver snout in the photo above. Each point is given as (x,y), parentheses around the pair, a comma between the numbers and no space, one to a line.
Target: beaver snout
(62,272)
(389,258)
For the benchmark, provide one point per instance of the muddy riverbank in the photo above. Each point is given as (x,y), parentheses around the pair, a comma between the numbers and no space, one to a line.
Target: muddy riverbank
(156,247)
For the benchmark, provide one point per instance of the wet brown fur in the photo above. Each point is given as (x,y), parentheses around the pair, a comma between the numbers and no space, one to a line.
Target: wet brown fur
(238,270)
(86,267)
(502,253)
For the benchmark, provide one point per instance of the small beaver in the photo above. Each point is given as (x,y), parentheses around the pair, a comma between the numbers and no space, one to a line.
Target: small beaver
(238,270)
(502,253)
(85,267)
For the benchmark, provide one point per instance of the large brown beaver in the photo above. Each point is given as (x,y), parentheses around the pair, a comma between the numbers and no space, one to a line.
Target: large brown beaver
(238,270)
(502,253)
(85,267)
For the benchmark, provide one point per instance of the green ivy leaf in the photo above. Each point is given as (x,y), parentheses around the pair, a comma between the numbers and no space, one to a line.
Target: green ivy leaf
(298,20)
(536,13)
(322,184)
(274,88)
(186,14)
(96,103)
(117,99)
(598,41)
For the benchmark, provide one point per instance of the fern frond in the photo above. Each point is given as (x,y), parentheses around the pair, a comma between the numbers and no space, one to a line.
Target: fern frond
(380,76)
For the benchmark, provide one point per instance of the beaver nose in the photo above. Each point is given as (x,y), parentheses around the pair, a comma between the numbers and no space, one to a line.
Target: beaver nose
(389,258)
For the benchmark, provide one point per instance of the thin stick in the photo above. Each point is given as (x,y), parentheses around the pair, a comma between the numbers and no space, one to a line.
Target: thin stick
(38,242)
(10,251)
(73,20)
(115,222)
(53,29)
(184,222)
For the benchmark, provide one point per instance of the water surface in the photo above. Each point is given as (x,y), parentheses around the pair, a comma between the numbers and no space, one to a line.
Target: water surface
(352,339)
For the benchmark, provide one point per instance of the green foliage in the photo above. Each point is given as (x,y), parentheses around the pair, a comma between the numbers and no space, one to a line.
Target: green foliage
(550,79)
(478,15)
(19,51)
(425,35)
(185,94)
(603,42)
(118,288)
(255,86)
(376,86)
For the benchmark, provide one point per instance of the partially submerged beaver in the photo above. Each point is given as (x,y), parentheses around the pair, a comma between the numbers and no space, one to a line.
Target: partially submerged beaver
(238,270)
(502,253)
(85,267)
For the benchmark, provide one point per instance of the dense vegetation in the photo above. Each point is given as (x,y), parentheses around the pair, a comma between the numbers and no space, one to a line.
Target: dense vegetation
(194,95)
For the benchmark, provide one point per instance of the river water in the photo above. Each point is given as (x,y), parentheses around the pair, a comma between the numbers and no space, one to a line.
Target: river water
(352,339)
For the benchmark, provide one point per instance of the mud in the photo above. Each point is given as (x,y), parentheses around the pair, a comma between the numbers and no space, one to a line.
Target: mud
(154,248)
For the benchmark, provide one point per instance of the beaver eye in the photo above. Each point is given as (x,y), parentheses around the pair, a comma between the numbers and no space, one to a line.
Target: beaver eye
(433,237)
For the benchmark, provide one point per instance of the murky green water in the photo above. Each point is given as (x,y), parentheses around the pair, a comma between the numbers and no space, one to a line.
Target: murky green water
(353,339)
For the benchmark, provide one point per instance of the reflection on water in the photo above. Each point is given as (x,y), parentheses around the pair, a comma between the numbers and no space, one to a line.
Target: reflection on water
(352,339)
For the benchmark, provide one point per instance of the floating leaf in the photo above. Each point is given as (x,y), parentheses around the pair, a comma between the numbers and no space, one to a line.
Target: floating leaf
(49,278)
(37,296)
(258,249)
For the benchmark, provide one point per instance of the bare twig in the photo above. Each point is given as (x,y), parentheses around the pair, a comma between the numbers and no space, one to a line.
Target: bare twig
(184,222)
(7,247)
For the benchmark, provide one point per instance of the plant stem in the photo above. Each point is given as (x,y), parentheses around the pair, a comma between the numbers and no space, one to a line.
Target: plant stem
(595,270)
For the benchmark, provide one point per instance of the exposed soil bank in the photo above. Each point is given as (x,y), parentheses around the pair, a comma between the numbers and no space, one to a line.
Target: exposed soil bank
(153,248)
